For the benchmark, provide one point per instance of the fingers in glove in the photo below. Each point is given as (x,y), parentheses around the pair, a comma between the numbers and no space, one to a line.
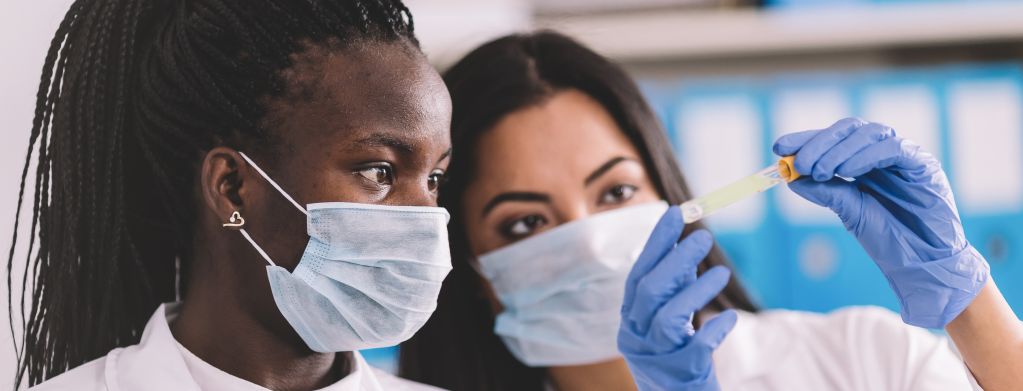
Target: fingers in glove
(714,331)
(667,278)
(696,358)
(860,139)
(840,196)
(663,239)
(790,143)
(894,152)
(668,328)
(821,143)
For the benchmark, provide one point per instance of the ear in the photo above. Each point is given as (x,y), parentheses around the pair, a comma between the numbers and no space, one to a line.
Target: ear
(221,182)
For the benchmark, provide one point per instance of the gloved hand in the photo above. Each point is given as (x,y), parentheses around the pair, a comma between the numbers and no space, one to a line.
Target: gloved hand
(662,292)
(899,206)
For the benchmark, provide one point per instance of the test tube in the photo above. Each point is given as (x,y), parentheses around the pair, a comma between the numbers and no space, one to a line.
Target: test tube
(700,207)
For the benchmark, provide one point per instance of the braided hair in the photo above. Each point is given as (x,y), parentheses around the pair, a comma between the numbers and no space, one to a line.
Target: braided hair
(132,93)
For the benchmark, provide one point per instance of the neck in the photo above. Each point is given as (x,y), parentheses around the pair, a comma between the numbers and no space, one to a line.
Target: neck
(608,375)
(214,325)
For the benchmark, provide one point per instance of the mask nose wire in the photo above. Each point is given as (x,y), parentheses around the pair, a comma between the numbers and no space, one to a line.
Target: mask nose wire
(279,190)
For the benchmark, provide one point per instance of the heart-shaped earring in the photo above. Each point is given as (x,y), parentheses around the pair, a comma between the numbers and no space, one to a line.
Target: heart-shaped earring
(236,220)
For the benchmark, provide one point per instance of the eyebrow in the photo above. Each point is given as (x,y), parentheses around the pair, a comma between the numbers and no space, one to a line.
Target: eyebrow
(444,156)
(604,168)
(387,141)
(515,196)
(384,140)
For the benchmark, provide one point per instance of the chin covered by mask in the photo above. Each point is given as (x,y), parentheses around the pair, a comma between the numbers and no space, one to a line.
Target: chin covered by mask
(562,290)
(368,278)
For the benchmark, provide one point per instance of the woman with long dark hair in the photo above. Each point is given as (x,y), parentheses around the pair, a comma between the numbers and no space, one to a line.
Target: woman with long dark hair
(262,174)
(561,172)
(497,79)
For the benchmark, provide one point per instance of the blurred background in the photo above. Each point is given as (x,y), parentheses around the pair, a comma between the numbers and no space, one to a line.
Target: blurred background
(727,78)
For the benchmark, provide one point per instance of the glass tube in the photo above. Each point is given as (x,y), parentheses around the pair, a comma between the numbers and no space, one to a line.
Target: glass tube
(700,207)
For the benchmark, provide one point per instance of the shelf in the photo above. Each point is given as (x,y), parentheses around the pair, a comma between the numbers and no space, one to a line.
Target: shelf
(712,34)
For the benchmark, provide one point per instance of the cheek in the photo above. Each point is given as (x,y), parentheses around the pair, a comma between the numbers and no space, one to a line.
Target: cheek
(480,240)
(308,179)
(278,228)
(475,237)
(483,237)
(496,308)
(332,185)
(479,236)
(475,232)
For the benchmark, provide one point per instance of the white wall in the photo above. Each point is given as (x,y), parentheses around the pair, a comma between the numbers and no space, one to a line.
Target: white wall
(26,27)
(447,29)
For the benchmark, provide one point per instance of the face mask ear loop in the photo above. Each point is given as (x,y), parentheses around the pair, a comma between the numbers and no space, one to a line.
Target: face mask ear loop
(275,185)
(256,246)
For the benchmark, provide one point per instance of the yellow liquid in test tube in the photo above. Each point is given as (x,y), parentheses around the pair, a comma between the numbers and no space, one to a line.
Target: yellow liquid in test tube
(700,207)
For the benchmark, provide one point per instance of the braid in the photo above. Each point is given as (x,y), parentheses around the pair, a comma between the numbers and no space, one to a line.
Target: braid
(49,89)
(131,95)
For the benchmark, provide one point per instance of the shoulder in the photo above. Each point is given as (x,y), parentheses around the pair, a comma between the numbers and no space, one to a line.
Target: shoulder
(882,325)
(880,345)
(85,377)
(925,360)
(855,326)
(868,315)
(390,382)
(856,319)
(867,348)
(850,313)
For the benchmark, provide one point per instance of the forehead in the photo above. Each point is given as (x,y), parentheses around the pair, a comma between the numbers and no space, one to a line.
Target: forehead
(335,95)
(556,143)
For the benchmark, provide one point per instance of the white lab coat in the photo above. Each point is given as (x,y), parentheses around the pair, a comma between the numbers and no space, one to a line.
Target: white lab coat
(854,348)
(160,363)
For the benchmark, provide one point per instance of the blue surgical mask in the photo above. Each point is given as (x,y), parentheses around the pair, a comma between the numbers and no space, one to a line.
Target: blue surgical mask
(562,290)
(368,278)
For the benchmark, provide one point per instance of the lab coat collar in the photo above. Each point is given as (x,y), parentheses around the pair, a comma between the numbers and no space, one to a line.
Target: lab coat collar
(154,361)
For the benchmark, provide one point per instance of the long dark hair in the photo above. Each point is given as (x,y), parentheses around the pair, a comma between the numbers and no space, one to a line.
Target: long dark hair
(457,349)
(132,93)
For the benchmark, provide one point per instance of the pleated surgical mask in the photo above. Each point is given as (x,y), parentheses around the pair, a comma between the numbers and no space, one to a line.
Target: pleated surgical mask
(368,278)
(562,290)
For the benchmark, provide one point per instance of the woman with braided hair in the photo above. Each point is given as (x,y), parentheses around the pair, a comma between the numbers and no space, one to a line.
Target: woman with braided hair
(230,195)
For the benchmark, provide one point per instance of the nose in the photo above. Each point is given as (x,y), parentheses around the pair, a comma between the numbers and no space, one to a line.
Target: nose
(571,211)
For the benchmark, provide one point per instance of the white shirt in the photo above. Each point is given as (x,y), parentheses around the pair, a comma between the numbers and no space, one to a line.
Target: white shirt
(854,348)
(160,363)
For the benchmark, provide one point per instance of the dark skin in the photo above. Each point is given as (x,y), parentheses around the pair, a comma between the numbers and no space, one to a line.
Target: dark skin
(366,124)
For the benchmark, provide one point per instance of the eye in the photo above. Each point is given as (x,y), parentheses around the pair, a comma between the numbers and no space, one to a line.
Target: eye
(523,227)
(382,175)
(436,179)
(618,194)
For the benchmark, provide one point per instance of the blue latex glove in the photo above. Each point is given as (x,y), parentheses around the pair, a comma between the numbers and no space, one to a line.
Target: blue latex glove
(656,335)
(900,208)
